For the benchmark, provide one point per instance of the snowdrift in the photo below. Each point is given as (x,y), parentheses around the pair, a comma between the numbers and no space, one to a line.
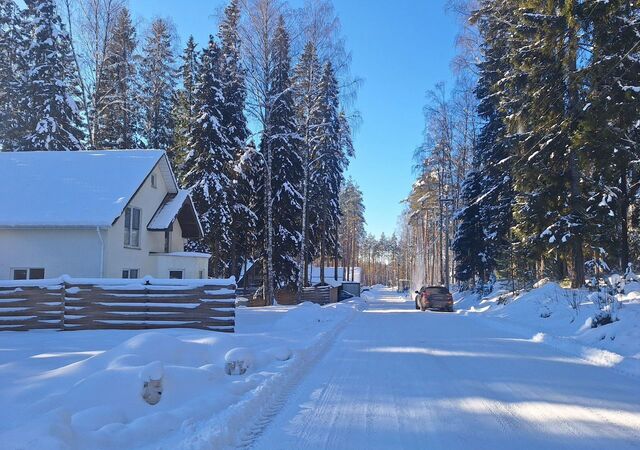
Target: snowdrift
(568,319)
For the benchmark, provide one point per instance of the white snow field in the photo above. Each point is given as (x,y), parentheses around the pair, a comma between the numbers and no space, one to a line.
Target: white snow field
(396,378)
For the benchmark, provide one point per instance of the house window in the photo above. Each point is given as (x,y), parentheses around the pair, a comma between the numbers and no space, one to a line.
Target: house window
(176,274)
(201,274)
(132,227)
(167,241)
(153,181)
(36,274)
(130,273)
(28,274)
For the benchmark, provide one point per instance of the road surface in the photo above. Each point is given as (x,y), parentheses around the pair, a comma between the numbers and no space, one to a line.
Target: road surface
(396,378)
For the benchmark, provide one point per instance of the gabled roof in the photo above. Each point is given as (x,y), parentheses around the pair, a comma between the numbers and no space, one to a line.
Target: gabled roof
(73,189)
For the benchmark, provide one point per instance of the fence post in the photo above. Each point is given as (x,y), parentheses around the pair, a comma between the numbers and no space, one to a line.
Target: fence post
(63,304)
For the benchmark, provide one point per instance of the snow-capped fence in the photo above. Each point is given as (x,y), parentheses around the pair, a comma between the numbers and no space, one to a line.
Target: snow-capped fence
(82,304)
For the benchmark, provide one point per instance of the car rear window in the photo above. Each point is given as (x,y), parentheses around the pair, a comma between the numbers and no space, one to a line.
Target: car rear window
(437,290)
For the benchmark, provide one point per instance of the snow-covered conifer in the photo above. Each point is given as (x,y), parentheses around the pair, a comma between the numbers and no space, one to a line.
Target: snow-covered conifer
(51,120)
(13,70)
(120,126)
(184,107)
(205,167)
(158,74)
(282,142)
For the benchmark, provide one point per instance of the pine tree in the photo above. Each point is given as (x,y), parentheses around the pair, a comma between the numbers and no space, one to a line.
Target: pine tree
(281,143)
(184,107)
(205,166)
(351,230)
(13,70)
(158,85)
(120,126)
(52,121)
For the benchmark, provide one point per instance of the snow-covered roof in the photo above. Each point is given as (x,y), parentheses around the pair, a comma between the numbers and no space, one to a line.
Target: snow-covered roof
(73,189)
(165,216)
(185,254)
(178,206)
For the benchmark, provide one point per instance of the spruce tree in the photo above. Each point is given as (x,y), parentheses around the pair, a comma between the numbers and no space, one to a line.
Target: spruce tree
(184,107)
(158,85)
(121,122)
(282,142)
(328,169)
(468,241)
(51,121)
(235,126)
(549,205)
(494,151)
(610,129)
(205,166)
(13,70)
(250,194)
(308,112)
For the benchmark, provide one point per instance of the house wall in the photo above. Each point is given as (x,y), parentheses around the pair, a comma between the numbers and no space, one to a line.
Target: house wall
(55,250)
(118,257)
(191,266)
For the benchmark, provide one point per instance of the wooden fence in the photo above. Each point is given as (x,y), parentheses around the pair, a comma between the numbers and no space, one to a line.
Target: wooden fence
(321,295)
(118,304)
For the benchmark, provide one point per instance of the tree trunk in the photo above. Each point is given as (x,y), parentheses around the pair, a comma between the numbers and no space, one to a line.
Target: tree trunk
(303,277)
(336,251)
(624,222)
(322,255)
(268,276)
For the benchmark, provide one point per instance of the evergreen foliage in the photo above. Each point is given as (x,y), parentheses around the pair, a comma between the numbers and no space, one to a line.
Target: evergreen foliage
(51,120)
(13,70)
(283,142)
(209,155)
(120,126)
(158,75)
(184,108)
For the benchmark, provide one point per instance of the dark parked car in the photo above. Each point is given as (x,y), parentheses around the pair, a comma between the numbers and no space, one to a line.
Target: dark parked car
(434,297)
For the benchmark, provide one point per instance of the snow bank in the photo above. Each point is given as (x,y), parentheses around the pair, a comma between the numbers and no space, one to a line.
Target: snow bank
(168,388)
(567,319)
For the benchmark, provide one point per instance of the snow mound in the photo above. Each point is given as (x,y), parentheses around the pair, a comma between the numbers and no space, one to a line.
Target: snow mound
(307,314)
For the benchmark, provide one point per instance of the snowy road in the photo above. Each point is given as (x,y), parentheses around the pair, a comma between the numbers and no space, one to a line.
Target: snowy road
(396,378)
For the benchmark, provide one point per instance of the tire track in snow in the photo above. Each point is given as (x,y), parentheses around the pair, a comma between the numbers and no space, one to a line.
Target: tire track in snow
(307,361)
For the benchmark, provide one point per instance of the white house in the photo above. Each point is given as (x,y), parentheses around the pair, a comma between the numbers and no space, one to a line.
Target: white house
(95,214)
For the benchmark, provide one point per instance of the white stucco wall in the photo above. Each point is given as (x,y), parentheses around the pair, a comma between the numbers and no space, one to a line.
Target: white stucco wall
(55,250)
(190,266)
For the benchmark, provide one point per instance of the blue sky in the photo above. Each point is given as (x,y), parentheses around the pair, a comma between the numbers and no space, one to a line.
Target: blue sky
(400,49)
